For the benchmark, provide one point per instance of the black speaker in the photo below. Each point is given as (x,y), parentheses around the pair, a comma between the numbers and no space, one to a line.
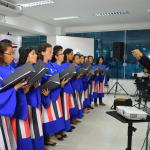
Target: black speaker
(118,50)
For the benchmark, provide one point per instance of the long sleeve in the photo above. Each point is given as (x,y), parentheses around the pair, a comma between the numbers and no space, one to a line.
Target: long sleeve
(145,61)
(8,97)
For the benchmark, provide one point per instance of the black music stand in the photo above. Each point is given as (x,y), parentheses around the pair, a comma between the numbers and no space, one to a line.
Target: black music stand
(131,129)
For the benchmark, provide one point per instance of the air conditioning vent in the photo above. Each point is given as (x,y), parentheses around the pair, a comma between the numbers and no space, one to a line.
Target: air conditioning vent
(6,4)
(9,9)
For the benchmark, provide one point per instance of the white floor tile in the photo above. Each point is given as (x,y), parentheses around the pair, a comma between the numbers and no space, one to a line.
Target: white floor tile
(99,131)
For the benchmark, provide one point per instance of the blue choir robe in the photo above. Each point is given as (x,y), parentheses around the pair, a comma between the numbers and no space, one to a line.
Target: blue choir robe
(33,101)
(91,87)
(73,107)
(11,106)
(51,125)
(21,111)
(8,98)
(99,79)
(85,87)
(77,85)
(66,89)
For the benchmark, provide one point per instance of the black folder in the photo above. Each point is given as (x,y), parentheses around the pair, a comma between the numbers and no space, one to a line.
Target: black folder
(69,72)
(40,69)
(19,75)
(85,68)
(52,83)
(99,70)
(86,65)
(90,74)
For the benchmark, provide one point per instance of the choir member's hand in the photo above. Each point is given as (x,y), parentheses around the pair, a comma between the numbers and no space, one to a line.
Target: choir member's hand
(97,74)
(102,73)
(26,88)
(79,76)
(64,81)
(137,54)
(45,92)
(36,84)
(20,84)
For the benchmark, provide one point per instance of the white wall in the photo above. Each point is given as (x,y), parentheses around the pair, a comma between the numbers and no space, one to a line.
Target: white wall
(84,46)
(28,24)
(51,40)
(14,39)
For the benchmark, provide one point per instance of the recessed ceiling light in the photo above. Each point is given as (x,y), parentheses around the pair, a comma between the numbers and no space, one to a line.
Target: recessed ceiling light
(66,18)
(112,13)
(38,3)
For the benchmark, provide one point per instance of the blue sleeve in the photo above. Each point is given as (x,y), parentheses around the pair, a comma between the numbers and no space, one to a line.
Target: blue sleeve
(21,111)
(7,101)
(68,88)
(34,97)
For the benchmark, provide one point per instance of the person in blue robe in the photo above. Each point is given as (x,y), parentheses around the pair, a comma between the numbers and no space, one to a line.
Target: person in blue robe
(73,107)
(78,87)
(33,96)
(8,104)
(86,101)
(91,61)
(66,88)
(52,122)
(100,80)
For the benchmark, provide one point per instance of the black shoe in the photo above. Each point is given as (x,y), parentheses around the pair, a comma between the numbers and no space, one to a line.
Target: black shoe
(60,139)
(91,107)
(72,127)
(64,135)
(50,144)
(69,130)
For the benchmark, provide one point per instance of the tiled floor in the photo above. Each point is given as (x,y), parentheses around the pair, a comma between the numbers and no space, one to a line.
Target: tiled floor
(98,131)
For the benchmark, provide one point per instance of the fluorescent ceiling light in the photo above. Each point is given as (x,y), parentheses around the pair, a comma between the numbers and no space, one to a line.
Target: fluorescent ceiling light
(112,13)
(148,10)
(65,18)
(39,3)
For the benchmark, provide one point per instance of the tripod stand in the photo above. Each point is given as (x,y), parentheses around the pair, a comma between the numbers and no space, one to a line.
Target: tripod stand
(117,84)
(146,142)
(142,93)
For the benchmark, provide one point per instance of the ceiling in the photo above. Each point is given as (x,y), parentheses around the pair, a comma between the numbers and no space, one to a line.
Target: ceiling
(86,10)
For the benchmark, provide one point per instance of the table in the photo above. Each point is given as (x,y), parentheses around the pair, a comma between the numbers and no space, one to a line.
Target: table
(131,129)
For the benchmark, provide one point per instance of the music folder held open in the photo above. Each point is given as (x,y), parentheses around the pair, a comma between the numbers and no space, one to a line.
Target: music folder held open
(85,68)
(52,83)
(90,74)
(40,70)
(69,72)
(23,73)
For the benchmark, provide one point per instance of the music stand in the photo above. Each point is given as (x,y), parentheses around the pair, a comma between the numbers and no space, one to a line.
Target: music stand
(116,84)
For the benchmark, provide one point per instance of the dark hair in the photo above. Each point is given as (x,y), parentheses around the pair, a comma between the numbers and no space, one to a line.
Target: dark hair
(82,56)
(67,51)
(42,48)
(90,56)
(3,48)
(7,42)
(56,49)
(100,57)
(75,56)
(23,55)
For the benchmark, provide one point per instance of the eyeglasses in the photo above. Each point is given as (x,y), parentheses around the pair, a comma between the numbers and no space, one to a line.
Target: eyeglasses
(10,54)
